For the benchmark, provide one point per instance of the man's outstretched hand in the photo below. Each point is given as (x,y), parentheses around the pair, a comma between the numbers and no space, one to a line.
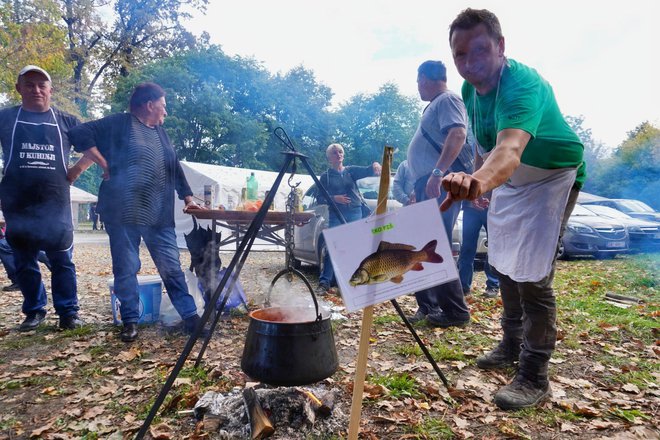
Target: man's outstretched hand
(460,186)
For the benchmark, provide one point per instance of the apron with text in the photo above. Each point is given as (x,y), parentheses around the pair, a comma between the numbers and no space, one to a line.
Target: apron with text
(524,219)
(35,192)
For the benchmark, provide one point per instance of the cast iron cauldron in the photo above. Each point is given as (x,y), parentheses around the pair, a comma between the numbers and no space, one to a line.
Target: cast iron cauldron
(287,346)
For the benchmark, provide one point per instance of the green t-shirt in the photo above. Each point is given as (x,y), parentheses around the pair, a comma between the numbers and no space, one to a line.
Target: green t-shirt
(526,101)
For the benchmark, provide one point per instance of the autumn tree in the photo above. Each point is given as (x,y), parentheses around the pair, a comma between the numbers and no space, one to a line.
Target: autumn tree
(368,122)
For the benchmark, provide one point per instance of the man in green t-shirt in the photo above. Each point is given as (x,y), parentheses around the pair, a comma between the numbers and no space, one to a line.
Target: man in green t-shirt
(532,161)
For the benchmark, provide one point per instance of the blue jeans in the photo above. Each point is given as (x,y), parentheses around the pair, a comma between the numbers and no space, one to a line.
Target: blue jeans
(125,250)
(327,276)
(473,220)
(63,281)
(7,258)
(447,297)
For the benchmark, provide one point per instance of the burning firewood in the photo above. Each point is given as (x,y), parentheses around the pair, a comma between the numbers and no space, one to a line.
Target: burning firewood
(323,405)
(260,425)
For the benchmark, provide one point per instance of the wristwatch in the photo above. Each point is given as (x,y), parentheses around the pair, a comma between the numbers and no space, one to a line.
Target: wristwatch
(437,172)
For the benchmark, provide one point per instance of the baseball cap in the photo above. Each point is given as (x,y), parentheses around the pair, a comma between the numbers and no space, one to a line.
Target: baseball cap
(33,68)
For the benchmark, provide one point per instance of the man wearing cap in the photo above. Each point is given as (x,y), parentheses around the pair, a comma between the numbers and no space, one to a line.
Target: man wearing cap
(36,200)
(438,146)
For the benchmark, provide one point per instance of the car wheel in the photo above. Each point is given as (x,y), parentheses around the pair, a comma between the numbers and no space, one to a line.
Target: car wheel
(322,252)
(561,252)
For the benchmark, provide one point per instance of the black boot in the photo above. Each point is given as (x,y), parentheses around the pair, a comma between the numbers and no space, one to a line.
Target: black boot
(522,393)
(129,333)
(190,324)
(503,356)
(32,321)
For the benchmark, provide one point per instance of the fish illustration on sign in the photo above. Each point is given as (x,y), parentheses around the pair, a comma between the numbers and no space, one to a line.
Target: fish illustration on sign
(391,261)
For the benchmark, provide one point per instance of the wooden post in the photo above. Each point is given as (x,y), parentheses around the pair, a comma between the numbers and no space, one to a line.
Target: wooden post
(368,312)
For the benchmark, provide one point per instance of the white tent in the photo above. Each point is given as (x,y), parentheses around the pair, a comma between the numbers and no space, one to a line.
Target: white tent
(226,184)
(79,197)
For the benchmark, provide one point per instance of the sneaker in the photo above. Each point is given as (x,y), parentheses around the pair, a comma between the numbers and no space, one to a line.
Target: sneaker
(419,316)
(444,320)
(129,333)
(492,292)
(32,321)
(71,322)
(322,289)
(503,356)
(13,287)
(522,393)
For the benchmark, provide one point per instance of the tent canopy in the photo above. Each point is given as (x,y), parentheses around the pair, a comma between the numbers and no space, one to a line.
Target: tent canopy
(226,184)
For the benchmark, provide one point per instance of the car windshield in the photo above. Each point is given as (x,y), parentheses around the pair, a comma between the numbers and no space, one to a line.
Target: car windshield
(580,210)
(606,211)
(369,188)
(634,206)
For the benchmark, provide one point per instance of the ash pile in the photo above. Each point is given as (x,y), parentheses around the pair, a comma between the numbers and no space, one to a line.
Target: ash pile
(279,413)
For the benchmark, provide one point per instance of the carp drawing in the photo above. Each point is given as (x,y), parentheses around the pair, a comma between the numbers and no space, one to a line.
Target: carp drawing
(391,261)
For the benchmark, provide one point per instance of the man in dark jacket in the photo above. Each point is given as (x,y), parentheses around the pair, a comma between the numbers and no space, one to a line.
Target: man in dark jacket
(141,173)
(36,200)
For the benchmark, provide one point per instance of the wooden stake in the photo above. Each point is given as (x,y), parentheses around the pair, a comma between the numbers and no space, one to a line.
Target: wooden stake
(368,312)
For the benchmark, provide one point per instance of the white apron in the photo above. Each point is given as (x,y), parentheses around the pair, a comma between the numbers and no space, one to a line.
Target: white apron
(524,219)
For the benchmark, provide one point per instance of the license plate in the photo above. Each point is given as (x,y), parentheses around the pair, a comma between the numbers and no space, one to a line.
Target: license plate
(616,244)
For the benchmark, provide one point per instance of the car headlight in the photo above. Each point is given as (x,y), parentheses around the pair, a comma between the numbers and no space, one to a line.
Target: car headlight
(580,228)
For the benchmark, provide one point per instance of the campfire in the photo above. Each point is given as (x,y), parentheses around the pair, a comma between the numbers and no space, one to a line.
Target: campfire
(281,412)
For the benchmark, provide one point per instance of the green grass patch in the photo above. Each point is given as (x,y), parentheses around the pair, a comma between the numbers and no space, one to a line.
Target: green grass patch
(433,429)
(398,384)
(445,352)
(408,350)
(386,319)
(629,415)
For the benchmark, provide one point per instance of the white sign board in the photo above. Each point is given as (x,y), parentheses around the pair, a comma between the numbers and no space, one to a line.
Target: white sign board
(389,255)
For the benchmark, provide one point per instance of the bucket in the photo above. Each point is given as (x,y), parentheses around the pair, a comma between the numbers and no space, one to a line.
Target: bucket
(150,288)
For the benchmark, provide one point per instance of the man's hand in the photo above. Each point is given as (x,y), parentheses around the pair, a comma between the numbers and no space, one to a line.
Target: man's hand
(73,173)
(433,187)
(460,186)
(377,168)
(190,204)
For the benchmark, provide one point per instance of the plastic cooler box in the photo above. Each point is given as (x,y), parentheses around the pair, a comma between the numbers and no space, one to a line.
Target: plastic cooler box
(150,288)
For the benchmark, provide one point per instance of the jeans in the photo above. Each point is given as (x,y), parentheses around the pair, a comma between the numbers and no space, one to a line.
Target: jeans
(125,250)
(7,258)
(63,281)
(327,276)
(447,297)
(529,315)
(473,220)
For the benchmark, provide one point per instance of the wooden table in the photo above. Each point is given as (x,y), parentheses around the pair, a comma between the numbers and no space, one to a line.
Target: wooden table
(239,221)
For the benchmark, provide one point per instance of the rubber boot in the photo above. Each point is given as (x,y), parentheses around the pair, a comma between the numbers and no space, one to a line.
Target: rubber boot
(503,356)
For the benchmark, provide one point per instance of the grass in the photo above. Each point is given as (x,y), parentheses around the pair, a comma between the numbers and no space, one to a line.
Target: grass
(397,384)
(432,428)
(386,319)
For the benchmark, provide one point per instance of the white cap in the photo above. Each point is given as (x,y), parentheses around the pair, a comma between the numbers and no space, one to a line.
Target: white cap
(32,68)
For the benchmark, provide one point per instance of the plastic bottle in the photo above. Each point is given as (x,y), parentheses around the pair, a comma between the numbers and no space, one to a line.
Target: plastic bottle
(252,187)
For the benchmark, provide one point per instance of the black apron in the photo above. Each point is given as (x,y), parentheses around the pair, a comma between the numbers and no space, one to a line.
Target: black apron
(34,190)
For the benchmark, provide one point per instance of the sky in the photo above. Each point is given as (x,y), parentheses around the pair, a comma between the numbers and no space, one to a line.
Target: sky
(601,57)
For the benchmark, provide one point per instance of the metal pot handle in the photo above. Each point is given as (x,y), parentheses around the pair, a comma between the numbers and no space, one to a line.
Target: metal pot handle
(290,272)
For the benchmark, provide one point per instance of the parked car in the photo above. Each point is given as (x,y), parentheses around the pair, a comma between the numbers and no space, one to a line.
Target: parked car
(644,235)
(309,244)
(633,208)
(588,234)
(308,238)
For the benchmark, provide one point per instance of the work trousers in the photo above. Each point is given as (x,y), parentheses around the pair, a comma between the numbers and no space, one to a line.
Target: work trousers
(63,281)
(447,297)
(125,249)
(530,313)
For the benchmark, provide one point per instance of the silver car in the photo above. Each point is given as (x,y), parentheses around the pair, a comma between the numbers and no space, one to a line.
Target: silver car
(588,234)
(644,235)
(309,244)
